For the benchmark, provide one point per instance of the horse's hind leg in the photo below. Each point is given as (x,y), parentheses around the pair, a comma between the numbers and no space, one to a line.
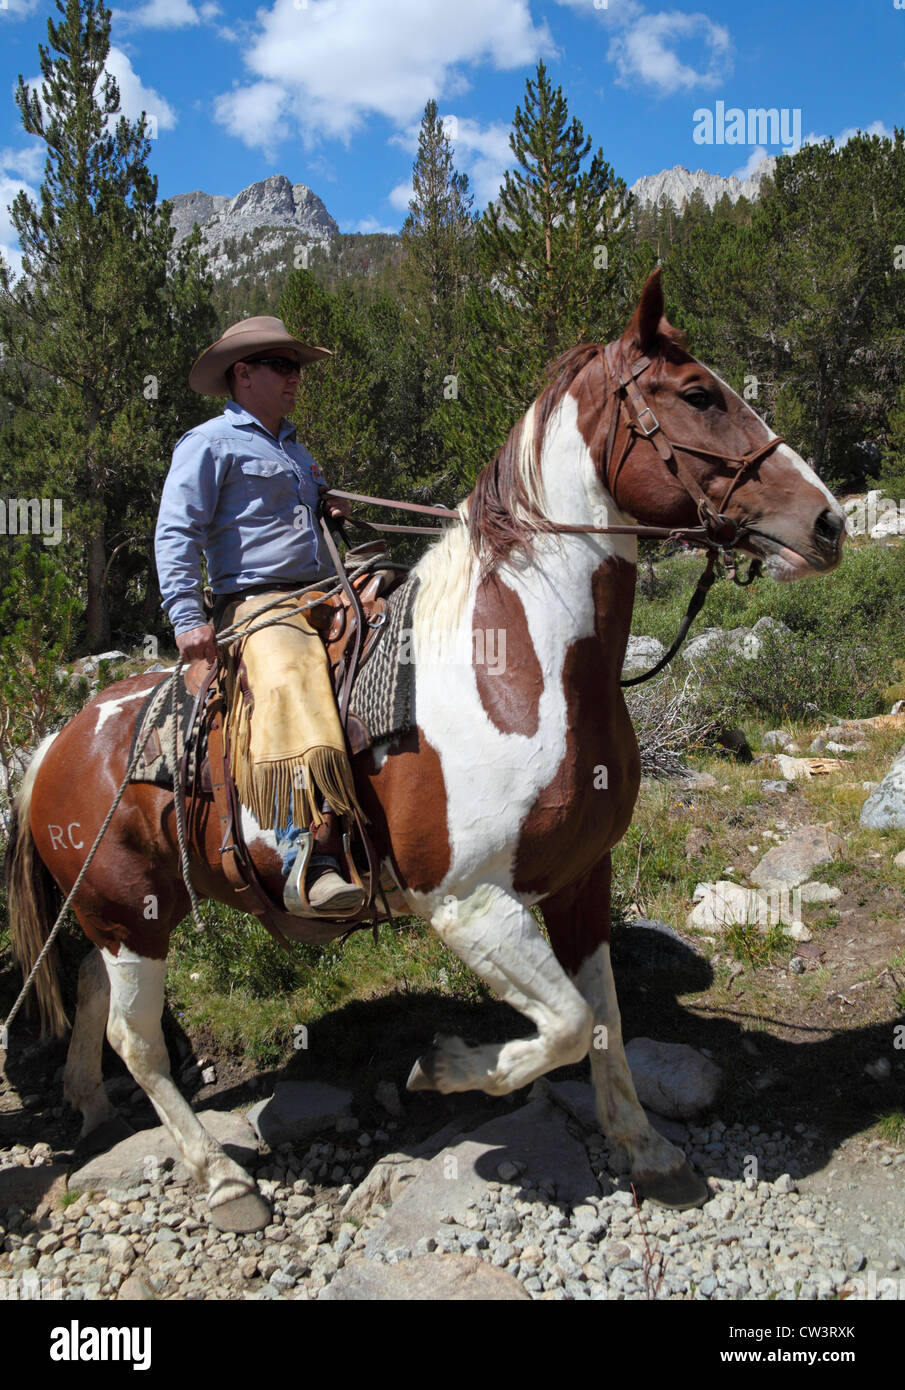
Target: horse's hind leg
(500,940)
(578,923)
(83,1082)
(134,1030)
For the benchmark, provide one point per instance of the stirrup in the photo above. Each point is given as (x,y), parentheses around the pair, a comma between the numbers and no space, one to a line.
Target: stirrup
(295,891)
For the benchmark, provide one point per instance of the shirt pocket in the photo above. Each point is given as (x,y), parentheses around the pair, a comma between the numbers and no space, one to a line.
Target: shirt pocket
(268,486)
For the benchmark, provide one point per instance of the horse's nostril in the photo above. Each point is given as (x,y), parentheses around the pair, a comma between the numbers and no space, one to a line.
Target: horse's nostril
(829,525)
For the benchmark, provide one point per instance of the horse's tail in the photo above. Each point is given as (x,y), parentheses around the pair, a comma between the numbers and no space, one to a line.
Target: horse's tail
(34,901)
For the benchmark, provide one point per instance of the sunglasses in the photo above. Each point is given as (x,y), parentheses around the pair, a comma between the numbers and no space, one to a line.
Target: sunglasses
(284,365)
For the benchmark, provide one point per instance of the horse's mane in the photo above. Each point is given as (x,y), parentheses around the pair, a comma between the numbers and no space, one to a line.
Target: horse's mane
(507,506)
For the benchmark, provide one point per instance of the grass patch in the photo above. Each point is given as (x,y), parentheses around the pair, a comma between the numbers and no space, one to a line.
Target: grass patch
(892,1127)
(753,946)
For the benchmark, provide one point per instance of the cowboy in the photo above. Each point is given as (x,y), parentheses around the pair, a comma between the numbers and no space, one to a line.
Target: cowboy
(242,492)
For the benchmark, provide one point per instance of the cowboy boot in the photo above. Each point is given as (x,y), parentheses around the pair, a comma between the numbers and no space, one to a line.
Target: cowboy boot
(328,892)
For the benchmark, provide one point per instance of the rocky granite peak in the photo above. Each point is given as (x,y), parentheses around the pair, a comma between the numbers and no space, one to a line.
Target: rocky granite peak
(679,183)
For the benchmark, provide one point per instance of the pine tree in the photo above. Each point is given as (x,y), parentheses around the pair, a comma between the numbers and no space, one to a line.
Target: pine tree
(553,266)
(436,237)
(99,331)
(437,240)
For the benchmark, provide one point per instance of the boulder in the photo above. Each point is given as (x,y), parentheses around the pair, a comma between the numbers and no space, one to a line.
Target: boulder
(672,1079)
(534,1140)
(789,864)
(723,904)
(884,809)
(297,1109)
(641,654)
(145,1156)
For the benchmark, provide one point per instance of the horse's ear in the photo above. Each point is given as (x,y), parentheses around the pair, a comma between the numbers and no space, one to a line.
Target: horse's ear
(646,324)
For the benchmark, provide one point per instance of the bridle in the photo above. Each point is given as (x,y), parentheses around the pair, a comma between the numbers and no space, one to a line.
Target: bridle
(717,533)
(640,421)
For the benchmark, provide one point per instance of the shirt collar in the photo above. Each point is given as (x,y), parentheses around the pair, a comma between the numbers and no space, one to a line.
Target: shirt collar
(237,415)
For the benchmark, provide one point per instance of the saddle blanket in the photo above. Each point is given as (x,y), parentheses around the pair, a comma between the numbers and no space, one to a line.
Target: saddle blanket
(154,734)
(383,694)
(382,699)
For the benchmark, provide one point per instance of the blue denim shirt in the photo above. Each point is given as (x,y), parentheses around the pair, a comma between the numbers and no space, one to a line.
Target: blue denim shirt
(244,499)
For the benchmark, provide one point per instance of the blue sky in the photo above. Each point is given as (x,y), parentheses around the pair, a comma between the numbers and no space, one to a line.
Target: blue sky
(330,92)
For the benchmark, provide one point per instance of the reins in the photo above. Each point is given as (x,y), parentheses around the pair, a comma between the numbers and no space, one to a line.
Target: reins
(716,533)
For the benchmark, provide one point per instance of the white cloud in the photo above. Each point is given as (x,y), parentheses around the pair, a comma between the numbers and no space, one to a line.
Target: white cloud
(756,156)
(339,62)
(28,162)
(254,114)
(166,14)
(134,96)
(19,9)
(647,51)
(368,224)
(644,46)
(10,165)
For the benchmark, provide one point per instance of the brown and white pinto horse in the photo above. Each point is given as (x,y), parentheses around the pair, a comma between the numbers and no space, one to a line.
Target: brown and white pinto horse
(494,803)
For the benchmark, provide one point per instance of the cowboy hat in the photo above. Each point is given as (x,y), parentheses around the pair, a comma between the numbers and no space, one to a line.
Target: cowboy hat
(250,337)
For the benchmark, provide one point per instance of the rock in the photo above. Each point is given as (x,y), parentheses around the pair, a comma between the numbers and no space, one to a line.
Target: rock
(384,1184)
(641,654)
(387,1095)
(672,1079)
(884,809)
(209,1075)
(698,781)
(534,1137)
(297,1109)
(150,1153)
(774,786)
(799,932)
(652,947)
(577,1098)
(27,1187)
(815,892)
(437,1277)
(724,903)
(109,656)
(775,740)
(134,1288)
(899,860)
(789,864)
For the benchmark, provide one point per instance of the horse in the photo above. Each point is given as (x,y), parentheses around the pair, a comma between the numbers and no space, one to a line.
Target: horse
(493,803)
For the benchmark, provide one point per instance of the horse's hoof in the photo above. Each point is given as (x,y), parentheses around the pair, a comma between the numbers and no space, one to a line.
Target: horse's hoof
(421,1077)
(680,1188)
(99,1140)
(242,1214)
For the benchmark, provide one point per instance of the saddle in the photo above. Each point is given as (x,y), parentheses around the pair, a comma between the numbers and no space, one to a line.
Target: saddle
(351,625)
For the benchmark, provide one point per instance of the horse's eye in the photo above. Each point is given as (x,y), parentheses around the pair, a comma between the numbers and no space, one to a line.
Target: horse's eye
(697,398)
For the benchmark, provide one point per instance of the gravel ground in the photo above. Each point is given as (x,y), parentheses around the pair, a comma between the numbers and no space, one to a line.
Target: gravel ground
(758,1237)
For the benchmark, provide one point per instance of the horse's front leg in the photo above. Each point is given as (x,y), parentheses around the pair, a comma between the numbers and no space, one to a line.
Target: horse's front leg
(135,1032)
(499,939)
(579,923)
